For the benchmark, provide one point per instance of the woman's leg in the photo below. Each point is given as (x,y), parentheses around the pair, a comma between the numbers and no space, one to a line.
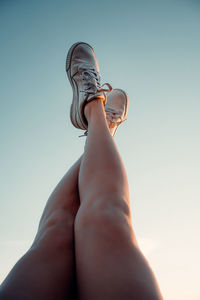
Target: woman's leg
(47,270)
(108,261)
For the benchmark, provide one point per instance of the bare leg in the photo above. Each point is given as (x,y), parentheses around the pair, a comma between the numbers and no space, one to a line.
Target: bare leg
(47,270)
(109,262)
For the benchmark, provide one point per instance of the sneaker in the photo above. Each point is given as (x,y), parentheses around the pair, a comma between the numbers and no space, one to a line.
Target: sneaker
(83,72)
(116,109)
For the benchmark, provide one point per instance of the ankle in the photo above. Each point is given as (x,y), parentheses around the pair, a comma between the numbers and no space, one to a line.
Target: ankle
(95,106)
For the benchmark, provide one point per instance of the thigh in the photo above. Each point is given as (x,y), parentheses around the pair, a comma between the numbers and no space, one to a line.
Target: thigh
(108,257)
(47,270)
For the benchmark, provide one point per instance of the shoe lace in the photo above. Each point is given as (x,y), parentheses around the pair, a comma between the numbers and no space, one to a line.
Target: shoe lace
(113,116)
(91,84)
(91,80)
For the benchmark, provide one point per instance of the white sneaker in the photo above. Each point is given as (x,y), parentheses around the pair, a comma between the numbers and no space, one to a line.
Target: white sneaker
(83,72)
(116,109)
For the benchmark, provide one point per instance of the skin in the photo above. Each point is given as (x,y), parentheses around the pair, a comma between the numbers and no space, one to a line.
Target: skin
(85,247)
(108,261)
(47,271)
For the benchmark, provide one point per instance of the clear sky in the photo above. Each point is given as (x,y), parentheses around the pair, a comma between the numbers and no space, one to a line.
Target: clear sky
(151,49)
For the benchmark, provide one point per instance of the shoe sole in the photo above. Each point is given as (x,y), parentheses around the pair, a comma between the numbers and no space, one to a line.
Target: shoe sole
(127,102)
(126,107)
(75,103)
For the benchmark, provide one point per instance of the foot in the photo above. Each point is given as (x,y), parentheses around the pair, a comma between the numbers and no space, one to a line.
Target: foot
(83,73)
(116,109)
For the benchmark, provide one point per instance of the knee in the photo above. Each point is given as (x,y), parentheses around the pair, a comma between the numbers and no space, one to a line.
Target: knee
(105,202)
(105,215)
(56,232)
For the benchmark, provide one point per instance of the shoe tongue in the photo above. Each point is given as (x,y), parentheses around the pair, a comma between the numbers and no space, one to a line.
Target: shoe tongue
(80,65)
(114,111)
(84,67)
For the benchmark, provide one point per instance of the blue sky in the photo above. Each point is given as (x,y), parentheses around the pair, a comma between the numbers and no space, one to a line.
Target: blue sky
(151,50)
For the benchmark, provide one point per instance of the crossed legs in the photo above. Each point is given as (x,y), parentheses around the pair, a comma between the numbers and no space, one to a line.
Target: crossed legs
(89,248)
